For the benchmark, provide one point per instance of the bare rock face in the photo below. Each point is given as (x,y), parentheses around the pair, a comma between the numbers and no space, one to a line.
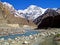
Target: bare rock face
(50,18)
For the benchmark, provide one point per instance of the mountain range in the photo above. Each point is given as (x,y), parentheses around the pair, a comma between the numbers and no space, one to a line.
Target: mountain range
(32,13)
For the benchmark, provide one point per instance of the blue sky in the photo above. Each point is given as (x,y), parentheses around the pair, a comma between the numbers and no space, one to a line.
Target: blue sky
(23,4)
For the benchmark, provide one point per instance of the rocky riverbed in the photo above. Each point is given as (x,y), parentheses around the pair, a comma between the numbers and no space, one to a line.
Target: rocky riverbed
(10,30)
(43,37)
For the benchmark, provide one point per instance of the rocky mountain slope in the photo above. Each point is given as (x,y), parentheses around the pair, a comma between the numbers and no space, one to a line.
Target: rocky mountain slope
(8,16)
(49,19)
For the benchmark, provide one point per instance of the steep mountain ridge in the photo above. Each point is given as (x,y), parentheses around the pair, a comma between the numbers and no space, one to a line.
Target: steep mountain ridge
(49,19)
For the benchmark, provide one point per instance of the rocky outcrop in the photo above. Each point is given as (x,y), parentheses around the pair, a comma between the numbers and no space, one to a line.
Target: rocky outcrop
(49,19)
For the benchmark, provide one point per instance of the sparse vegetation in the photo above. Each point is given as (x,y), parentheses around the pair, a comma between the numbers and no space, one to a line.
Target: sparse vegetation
(58,35)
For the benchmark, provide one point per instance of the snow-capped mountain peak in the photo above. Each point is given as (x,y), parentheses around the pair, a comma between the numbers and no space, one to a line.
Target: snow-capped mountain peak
(32,12)
(32,6)
(36,8)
